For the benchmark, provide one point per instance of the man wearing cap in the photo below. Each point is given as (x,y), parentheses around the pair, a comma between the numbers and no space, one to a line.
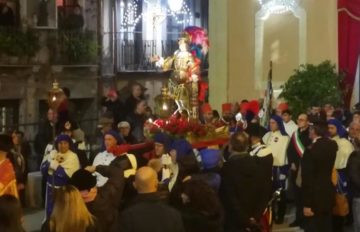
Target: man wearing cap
(111,140)
(124,130)
(7,172)
(113,104)
(211,162)
(227,114)
(102,202)
(277,140)
(338,133)
(263,157)
(207,113)
(58,167)
(160,159)
(71,129)
(162,145)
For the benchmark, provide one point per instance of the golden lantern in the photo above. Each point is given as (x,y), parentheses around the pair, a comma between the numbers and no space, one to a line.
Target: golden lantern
(164,105)
(55,96)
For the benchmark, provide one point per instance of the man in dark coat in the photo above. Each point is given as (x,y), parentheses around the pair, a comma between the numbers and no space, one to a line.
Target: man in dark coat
(103,202)
(114,106)
(149,212)
(263,157)
(353,167)
(137,119)
(300,140)
(318,190)
(239,184)
(7,17)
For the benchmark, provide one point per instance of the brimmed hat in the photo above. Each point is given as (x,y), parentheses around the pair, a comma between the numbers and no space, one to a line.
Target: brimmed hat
(68,125)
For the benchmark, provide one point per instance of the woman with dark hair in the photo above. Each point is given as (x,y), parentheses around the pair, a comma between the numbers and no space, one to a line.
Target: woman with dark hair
(201,209)
(10,214)
(137,94)
(19,157)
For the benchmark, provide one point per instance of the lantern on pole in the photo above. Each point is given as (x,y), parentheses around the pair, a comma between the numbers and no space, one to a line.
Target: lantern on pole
(55,96)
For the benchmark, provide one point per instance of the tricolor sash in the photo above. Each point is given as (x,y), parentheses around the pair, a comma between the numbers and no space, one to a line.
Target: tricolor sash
(296,141)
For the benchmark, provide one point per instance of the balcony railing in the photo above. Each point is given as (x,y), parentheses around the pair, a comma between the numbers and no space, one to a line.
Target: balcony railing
(133,53)
(59,47)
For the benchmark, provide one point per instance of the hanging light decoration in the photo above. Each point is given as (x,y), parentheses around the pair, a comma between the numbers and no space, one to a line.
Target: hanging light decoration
(178,9)
(278,6)
(175,5)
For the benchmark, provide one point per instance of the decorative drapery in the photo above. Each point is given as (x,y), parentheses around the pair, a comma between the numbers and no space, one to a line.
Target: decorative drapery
(349,42)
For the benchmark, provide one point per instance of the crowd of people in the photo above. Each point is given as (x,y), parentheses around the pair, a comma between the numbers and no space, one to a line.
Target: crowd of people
(136,183)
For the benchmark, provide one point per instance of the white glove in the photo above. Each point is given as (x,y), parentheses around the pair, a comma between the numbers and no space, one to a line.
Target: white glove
(166,160)
(194,78)
(54,164)
(52,156)
(166,174)
(160,62)
(282,177)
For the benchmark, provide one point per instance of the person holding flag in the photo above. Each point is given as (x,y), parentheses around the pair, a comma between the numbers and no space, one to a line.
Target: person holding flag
(266,111)
(355,97)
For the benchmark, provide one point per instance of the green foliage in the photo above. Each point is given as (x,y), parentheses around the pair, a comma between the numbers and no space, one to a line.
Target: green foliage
(312,85)
(14,42)
(79,47)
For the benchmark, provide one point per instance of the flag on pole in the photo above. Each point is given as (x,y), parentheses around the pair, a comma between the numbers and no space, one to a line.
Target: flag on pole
(267,105)
(355,97)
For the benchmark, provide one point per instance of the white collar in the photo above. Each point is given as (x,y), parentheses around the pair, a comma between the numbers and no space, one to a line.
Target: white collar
(316,139)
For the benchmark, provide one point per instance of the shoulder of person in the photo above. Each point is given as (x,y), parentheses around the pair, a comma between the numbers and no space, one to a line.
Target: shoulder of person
(265,151)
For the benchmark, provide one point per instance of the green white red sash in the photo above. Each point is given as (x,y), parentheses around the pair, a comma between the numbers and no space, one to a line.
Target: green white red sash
(296,141)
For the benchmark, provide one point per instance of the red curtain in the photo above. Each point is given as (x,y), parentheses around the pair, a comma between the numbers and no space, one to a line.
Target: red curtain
(349,42)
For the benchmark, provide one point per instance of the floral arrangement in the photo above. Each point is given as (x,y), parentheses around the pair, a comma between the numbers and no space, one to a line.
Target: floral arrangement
(179,127)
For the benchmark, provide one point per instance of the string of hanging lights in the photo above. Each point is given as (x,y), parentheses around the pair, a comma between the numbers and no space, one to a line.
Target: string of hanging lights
(278,6)
(178,9)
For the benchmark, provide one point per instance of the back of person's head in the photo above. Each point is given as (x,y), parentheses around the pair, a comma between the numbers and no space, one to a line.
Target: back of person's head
(70,212)
(146,180)
(239,142)
(83,180)
(6,143)
(320,128)
(10,214)
(201,197)
(188,166)
(67,92)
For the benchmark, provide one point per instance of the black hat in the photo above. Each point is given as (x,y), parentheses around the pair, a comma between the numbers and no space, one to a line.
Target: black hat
(254,129)
(6,143)
(68,125)
(83,180)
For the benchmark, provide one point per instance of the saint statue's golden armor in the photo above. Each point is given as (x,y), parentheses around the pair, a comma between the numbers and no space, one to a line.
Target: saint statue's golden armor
(183,83)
